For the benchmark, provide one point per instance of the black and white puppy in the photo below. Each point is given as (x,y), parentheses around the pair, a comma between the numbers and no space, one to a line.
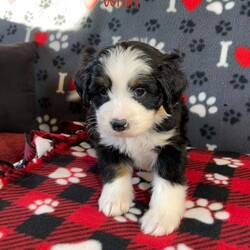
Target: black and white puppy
(137,119)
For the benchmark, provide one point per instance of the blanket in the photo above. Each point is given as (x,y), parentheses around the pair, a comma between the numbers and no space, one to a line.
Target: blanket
(49,200)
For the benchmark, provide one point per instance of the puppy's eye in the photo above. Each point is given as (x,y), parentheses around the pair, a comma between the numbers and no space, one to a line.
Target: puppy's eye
(104,92)
(139,92)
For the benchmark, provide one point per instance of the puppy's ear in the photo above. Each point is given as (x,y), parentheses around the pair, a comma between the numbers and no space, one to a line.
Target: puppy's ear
(171,79)
(82,76)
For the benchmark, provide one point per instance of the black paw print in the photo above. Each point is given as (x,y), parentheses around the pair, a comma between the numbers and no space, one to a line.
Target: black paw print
(245,9)
(133,9)
(1,38)
(59,20)
(87,22)
(58,62)
(28,17)
(152,25)
(94,39)
(187,26)
(248,106)
(197,45)
(207,131)
(42,75)
(223,28)
(199,77)
(44,102)
(239,81)
(12,29)
(7,15)
(76,48)
(114,24)
(45,4)
(232,116)
(75,107)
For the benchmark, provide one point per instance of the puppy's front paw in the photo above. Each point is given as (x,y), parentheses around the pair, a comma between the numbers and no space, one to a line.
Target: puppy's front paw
(159,223)
(115,201)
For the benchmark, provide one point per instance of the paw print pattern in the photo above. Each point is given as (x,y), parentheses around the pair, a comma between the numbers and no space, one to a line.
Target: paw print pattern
(245,9)
(64,176)
(86,22)
(43,206)
(44,102)
(77,48)
(217,178)
(199,78)
(47,124)
(114,24)
(59,20)
(230,162)
(133,9)
(83,149)
(7,15)
(217,6)
(248,106)
(239,81)
(1,37)
(152,25)
(223,28)
(197,45)
(187,26)
(94,39)
(45,4)
(205,212)
(42,75)
(202,105)
(28,17)
(132,215)
(12,29)
(58,41)
(211,147)
(58,62)
(232,116)
(207,131)
(143,180)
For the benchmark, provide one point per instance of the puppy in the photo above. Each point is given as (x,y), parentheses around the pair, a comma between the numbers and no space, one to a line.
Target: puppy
(137,119)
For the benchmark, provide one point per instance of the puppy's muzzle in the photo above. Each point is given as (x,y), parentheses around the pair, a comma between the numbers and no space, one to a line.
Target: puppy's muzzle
(119,125)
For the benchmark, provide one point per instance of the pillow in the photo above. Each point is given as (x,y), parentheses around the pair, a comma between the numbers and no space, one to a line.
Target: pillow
(17,89)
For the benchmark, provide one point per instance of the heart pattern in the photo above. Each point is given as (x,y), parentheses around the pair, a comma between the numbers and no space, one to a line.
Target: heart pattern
(90,4)
(242,56)
(191,5)
(41,38)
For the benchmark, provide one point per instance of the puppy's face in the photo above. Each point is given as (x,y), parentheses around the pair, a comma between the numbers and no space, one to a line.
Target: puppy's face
(129,85)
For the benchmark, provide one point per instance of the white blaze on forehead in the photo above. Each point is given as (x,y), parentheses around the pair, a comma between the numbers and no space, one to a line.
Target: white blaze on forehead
(122,65)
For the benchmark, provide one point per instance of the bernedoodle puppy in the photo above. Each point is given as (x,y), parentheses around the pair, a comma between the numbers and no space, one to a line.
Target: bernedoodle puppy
(137,119)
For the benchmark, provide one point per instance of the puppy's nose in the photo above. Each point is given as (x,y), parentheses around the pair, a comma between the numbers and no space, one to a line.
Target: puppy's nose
(119,125)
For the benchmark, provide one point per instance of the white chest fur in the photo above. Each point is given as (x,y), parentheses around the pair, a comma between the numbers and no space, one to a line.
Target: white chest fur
(140,148)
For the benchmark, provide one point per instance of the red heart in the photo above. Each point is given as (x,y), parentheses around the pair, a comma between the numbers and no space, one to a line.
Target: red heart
(41,38)
(90,4)
(242,55)
(191,5)
(71,85)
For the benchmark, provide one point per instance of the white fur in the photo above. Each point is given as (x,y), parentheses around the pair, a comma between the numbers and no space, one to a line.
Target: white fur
(139,148)
(122,65)
(117,196)
(166,208)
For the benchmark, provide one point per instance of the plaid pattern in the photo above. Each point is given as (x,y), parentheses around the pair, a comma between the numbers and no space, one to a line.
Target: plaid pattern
(52,204)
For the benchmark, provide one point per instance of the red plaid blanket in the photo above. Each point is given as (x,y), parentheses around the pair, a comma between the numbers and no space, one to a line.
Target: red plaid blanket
(51,203)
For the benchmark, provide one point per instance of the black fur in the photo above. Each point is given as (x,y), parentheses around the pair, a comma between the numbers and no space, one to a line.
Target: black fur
(164,88)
